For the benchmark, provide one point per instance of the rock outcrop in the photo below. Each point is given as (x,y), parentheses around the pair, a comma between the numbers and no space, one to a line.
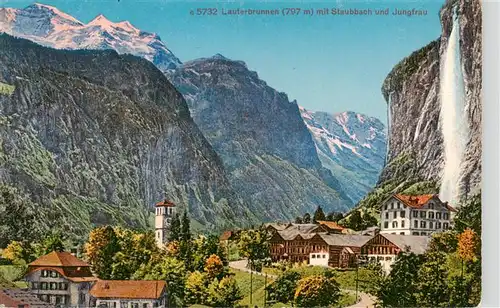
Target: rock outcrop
(99,137)
(415,156)
(261,138)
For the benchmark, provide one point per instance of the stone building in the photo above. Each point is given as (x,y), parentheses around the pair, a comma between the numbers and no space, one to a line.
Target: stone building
(415,215)
(164,212)
(129,294)
(384,248)
(60,278)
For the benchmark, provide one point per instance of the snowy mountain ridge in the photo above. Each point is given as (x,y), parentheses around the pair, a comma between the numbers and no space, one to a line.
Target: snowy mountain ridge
(351,145)
(48,26)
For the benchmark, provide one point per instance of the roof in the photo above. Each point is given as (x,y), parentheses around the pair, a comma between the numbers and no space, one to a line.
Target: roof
(136,289)
(16,297)
(417,244)
(59,259)
(350,240)
(276,225)
(331,224)
(226,235)
(418,201)
(165,203)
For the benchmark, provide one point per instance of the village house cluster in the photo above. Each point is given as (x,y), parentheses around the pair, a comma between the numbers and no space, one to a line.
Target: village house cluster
(406,224)
(61,279)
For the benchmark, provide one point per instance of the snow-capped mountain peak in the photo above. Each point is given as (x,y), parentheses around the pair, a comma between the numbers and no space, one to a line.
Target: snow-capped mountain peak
(47,25)
(351,145)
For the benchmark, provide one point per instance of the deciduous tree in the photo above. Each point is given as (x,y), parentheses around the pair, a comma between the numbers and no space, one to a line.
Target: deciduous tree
(316,291)
(432,290)
(101,249)
(283,289)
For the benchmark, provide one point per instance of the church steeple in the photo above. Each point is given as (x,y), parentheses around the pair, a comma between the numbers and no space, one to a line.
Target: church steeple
(164,212)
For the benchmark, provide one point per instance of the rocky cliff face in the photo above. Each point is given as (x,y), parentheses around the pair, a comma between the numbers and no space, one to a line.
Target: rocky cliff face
(351,145)
(99,137)
(261,138)
(415,156)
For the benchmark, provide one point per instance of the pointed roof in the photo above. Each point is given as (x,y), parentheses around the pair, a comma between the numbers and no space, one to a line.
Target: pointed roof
(331,225)
(416,243)
(59,259)
(165,203)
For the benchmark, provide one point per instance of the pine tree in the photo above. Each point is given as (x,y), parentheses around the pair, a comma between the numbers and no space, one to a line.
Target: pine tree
(185,241)
(307,218)
(319,215)
(298,220)
(175,228)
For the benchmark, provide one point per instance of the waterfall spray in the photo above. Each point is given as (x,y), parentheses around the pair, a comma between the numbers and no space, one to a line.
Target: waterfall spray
(453,116)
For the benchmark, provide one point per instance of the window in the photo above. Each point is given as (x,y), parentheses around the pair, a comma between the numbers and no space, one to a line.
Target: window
(414,233)
(402,224)
(438,215)
(53,286)
(324,256)
(313,256)
(392,206)
(402,214)
(58,300)
(399,205)
(395,214)
(81,299)
(431,225)
(445,226)
(386,215)
(53,274)
(402,233)
(44,297)
(422,214)
(145,305)
(34,285)
(45,273)
(43,286)
(423,233)
(431,206)
(431,215)
(386,225)
(394,224)
(438,225)
(445,216)
(422,224)
(415,214)
(415,224)
(385,207)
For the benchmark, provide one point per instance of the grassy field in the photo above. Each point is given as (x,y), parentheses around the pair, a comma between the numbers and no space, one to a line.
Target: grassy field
(243,280)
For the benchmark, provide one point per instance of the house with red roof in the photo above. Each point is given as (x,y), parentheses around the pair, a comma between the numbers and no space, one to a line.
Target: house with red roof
(129,293)
(415,215)
(60,278)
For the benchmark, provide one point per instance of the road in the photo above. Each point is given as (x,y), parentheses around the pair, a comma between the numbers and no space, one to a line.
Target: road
(366,300)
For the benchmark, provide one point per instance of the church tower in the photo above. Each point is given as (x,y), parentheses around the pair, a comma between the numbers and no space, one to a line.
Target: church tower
(164,212)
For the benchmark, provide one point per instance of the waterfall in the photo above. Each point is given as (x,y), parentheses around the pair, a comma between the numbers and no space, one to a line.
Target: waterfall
(453,116)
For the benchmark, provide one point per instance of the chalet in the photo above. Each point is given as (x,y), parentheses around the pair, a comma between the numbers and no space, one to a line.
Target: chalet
(60,278)
(297,246)
(415,215)
(276,226)
(384,248)
(129,293)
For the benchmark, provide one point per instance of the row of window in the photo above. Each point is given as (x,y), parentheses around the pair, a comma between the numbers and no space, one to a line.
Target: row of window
(318,256)
(398,205)
(163,211)
(52,274)
(54,299)
(423,214)
(423,224)
(49,285)
(438,225)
